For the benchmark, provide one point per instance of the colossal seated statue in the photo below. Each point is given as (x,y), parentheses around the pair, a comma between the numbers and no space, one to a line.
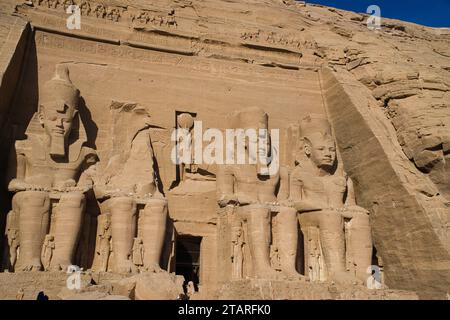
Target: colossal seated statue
(322,196)
(251,193)
(128,192)
(47,178)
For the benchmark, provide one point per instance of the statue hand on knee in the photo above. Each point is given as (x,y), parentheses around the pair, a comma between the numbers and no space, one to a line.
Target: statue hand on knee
(351,211)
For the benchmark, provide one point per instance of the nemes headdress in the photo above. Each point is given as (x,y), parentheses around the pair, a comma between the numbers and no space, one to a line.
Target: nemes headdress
(312,126)
(60,88)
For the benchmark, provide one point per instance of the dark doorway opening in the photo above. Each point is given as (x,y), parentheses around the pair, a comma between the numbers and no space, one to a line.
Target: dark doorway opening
(188,259)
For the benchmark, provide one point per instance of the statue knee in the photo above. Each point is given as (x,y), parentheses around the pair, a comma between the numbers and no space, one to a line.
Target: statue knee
(332,222)
(72,200)
(121,204)
(156,206)
(360,222)
(287,218)
(16,201)
(288,212)
(31,199)
(309,219)
(259,211)
(254,213)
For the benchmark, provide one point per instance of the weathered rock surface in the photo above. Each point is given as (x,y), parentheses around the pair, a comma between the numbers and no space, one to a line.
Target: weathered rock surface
(288,290)
(150,286)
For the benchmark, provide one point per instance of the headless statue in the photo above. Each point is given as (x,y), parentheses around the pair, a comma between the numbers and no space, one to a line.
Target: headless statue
(47,166)
(128,182)
(322,194)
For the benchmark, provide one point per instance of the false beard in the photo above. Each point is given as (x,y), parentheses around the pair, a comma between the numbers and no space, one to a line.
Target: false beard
(57,146)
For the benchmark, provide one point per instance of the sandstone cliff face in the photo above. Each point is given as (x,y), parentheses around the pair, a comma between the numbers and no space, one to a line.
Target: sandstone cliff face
(385,92)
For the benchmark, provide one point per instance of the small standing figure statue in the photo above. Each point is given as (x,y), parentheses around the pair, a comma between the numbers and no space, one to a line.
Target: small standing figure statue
(138,252)
(105,244)
(238,246)
(13,244)
(47,251)
(20,294)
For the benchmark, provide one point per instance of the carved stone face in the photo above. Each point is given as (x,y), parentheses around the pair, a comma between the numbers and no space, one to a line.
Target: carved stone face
(321,150)
(256,140)
(57,118)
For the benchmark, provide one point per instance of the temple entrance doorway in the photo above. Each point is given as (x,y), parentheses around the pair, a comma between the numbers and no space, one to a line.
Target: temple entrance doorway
(188,259)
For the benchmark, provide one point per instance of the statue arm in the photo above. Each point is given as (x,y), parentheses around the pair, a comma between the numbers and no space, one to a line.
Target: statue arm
(283,193)
(86,180)
(88,169)
(350,200)
(10,241)
(16,171)
(306,206)
(90,159)
(21,167)
(43,251)
(303,204)
(225,186)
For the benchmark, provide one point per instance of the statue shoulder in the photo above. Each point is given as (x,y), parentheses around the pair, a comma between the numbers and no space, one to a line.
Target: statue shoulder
(26,146)
(22,146)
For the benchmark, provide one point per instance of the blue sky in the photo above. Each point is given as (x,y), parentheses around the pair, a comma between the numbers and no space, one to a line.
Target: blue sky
(433,13)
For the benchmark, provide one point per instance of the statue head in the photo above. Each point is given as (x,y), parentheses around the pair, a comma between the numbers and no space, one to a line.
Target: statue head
(185,121)
(256,119)
(57,109)
(318,142)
